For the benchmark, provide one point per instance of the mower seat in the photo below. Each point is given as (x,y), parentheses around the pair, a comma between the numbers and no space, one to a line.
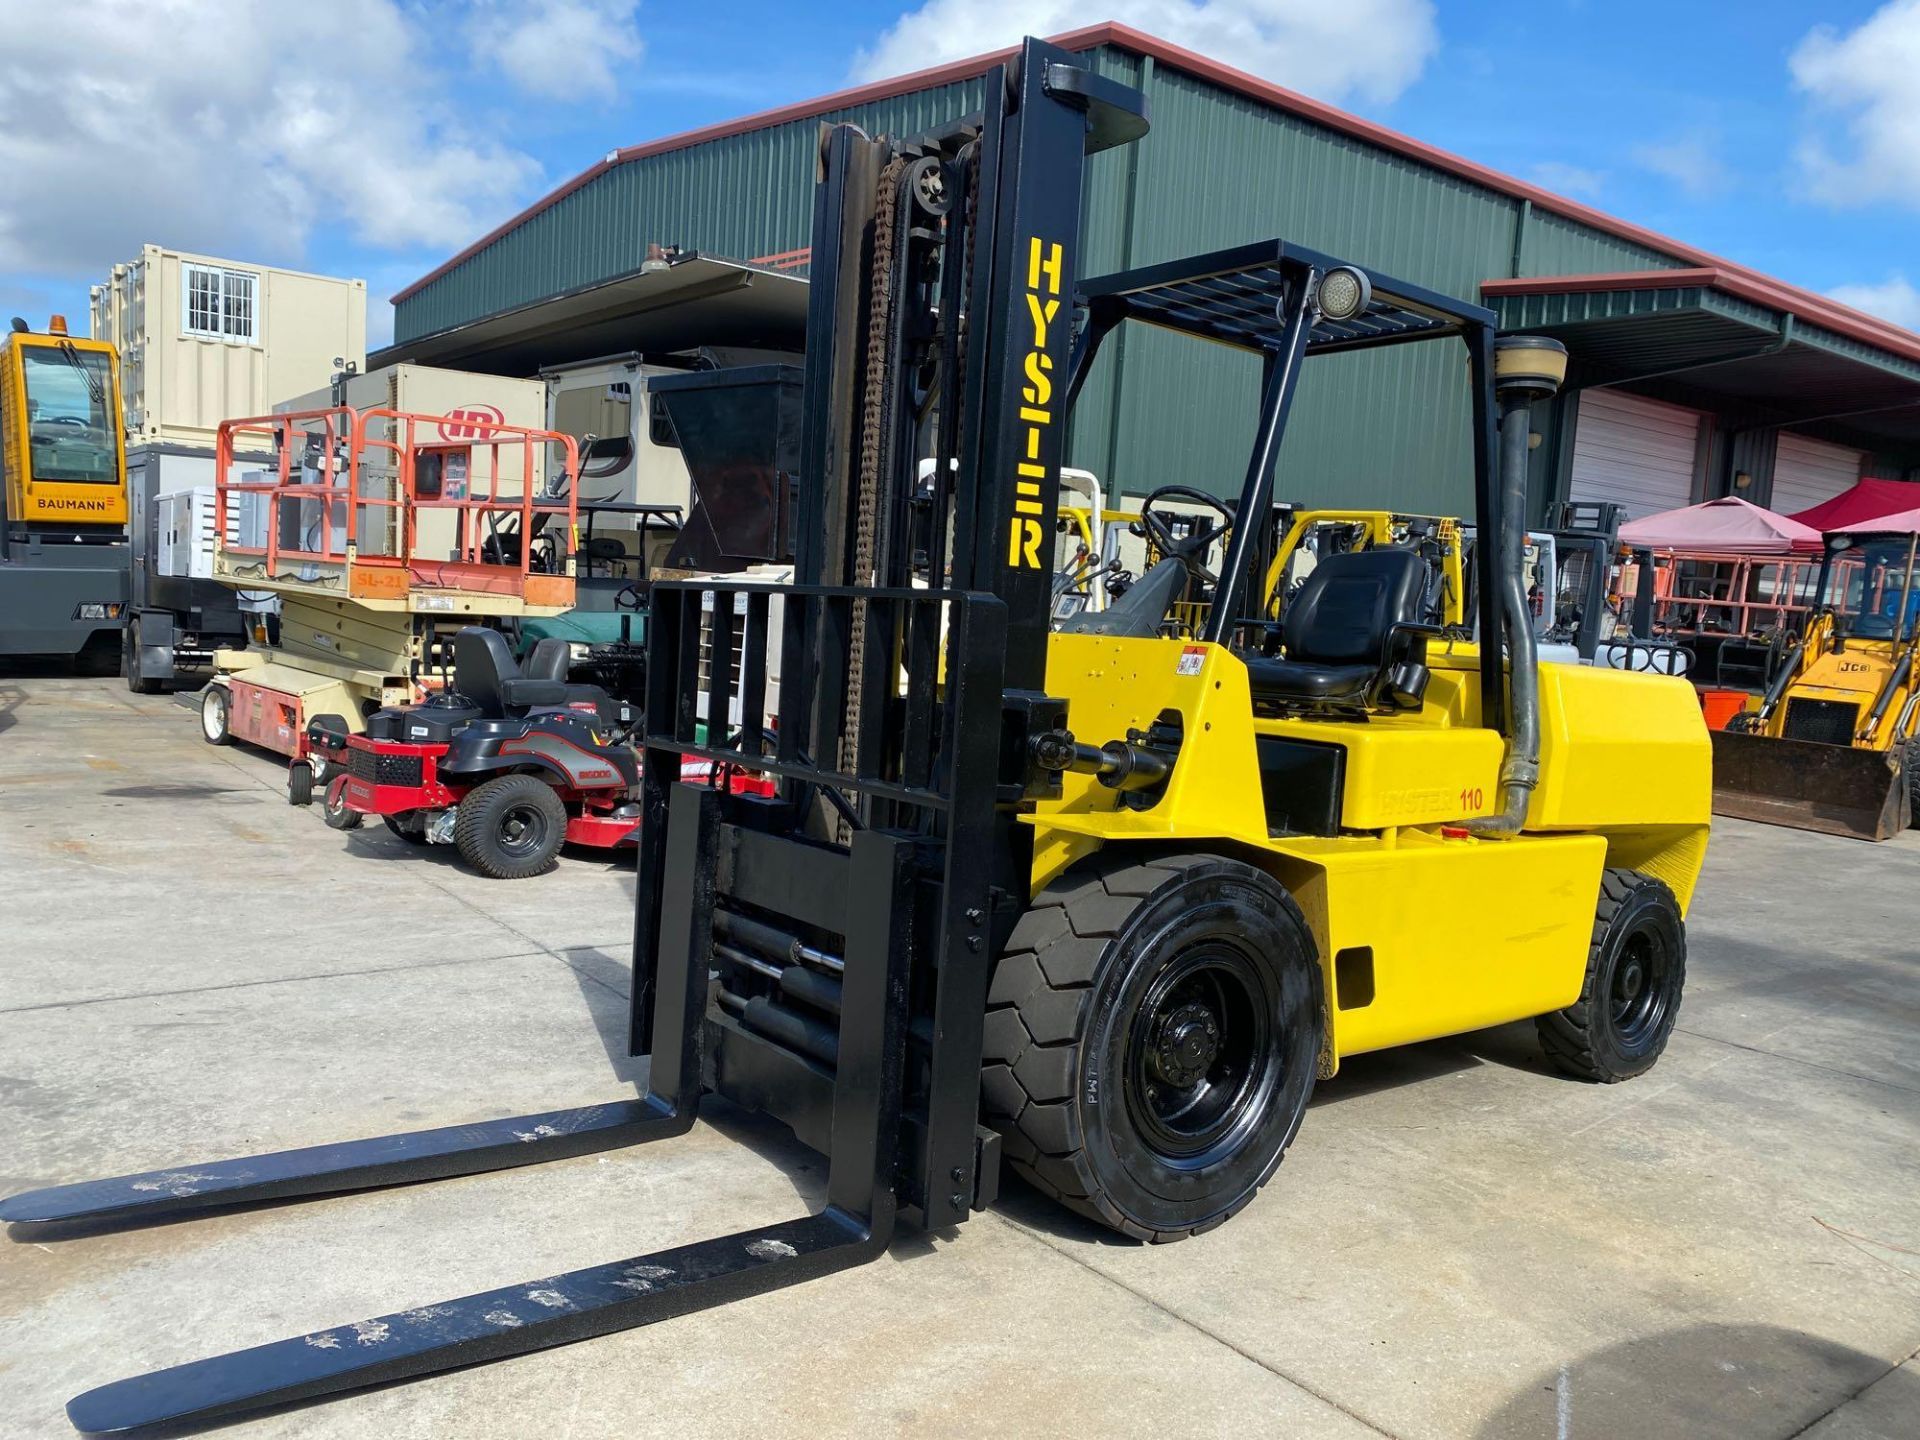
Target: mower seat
(548,662)
(485,672)
(1346,637)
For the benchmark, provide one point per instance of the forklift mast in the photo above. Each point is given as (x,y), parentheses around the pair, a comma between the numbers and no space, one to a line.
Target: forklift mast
(880,883)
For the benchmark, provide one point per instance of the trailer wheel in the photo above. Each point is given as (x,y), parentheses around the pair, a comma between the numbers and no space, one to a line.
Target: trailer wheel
(299,783)
(215,715)
(1636,970)
(334,808)
(511,827)
(130,660)
(1152,1036)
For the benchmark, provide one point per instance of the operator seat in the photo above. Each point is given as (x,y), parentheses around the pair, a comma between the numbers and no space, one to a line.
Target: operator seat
(485,672)
(1353,637)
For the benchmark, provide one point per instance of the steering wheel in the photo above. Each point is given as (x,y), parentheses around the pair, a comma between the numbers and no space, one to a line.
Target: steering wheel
(67,420)
(1189,550)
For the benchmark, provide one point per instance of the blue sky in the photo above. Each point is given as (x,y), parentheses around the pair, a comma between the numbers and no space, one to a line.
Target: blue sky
(1783,135)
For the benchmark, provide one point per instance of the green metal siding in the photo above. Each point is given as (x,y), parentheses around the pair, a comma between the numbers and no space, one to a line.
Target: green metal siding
(1553,245)
(744,195)
(1217,169)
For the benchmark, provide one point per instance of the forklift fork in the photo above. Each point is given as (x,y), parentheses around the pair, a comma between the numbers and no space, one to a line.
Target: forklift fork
(854,1226)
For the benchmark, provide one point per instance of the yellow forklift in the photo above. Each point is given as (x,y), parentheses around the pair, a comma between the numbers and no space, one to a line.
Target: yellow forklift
(1091,901)
(1831,746)
(63,495)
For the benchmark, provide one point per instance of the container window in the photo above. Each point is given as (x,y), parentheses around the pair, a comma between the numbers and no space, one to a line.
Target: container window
(221,304)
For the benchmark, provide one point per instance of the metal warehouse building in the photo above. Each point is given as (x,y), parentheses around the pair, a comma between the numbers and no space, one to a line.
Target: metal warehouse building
(1692,376)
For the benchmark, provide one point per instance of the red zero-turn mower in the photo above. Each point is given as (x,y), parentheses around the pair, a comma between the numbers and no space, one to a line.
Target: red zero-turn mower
(505,765)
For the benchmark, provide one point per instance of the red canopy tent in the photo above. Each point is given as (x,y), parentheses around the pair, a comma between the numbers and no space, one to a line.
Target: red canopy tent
(1727,526)
(1851,509)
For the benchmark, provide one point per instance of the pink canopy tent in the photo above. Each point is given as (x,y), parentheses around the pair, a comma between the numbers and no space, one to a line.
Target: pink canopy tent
(1865,500)
(1904,522)
(1728,526)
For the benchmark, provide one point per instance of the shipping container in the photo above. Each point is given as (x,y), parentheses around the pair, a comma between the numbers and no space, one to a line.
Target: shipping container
(203,340)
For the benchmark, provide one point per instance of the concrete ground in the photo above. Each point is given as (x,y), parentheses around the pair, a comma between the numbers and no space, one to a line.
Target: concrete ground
(1460,1243)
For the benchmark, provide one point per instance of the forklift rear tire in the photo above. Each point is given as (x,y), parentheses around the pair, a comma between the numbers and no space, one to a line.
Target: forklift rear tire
(1152,1036)
(1630,999)
(215,715)
(511,828)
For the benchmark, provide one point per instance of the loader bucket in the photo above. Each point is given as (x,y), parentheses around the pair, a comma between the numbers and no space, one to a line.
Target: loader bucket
(1809,785)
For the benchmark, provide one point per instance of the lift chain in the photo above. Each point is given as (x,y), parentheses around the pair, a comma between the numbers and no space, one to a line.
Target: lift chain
(873,409)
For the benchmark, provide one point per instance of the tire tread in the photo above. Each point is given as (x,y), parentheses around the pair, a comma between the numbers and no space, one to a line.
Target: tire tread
(1062,937)
(1567,1035)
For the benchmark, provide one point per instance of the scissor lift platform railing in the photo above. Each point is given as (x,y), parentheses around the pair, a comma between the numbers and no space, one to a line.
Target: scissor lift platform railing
(372,506)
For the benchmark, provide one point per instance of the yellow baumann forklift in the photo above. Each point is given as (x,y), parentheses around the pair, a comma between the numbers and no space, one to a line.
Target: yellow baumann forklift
(1097,902)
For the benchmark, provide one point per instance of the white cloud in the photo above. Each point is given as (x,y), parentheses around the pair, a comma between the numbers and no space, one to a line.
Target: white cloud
(1565,179)
(1370,50)
(1690,161)
(557,49)
(232,127)
(1896,299)
(1865,144)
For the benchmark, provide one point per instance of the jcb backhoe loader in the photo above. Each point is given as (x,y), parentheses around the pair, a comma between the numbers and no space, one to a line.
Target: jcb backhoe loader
(1108,903)
(1832,745)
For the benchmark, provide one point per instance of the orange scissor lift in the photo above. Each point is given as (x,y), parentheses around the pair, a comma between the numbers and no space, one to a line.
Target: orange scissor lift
(376,538)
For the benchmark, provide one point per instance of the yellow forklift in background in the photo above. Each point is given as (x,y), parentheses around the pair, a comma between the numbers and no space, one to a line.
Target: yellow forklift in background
(63,496)
(1085,899)
(1832,744)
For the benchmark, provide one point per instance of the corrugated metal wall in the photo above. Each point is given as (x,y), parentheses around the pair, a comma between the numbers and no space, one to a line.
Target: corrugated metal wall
(741,196)
(1218,169)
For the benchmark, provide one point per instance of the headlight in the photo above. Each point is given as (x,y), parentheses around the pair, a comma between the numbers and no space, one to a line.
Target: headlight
(96,612)
(577,651)
(1344,293)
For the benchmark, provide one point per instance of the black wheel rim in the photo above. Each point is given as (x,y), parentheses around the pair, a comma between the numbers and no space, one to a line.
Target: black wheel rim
(1203,1055)
(1640,990)
(523,830)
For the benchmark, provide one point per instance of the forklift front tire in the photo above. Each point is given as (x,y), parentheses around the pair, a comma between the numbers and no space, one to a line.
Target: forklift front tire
(215,715)
(1152,1037)
(511,828)
(1630,998)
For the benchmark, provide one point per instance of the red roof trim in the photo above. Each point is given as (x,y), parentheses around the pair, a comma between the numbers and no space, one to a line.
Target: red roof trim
(1742,284)
(1845,319)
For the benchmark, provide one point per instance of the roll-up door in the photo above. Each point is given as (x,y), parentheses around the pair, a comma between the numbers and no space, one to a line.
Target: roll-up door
(1637,453)
(1805,472)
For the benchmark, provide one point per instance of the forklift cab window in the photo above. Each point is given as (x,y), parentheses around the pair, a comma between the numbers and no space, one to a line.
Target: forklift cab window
(70,420)
(441,473)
